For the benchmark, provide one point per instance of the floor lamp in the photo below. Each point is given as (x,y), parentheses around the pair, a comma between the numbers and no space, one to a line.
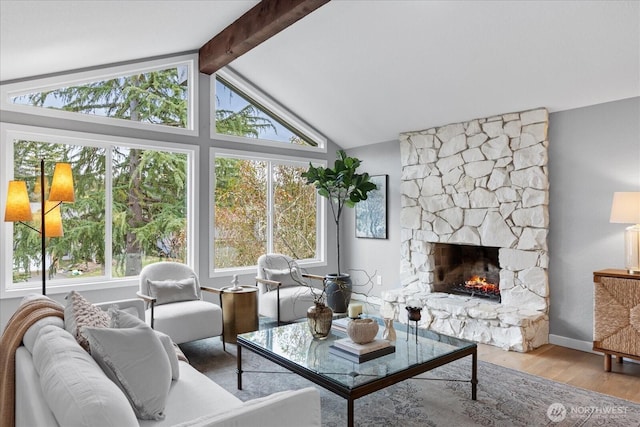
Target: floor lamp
(18,208)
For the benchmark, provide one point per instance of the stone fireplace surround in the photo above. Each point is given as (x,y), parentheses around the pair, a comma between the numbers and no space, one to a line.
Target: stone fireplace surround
(483,182)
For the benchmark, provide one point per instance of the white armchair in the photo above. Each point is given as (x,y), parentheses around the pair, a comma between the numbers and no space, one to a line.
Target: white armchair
(284,291)
(174,305)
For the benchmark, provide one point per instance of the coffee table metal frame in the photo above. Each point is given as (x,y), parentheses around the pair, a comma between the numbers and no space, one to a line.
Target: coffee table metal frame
(353,393)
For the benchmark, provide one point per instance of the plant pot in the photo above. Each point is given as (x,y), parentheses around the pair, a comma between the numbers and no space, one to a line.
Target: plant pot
(338,289)
(319,318)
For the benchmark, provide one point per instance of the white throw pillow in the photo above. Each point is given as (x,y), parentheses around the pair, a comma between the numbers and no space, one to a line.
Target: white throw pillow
(168,291)
(135,359)
(287,277)
(73,385)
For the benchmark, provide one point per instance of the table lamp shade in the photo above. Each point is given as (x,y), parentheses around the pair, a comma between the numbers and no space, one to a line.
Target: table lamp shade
(625,209)
(17,207)
(62,184)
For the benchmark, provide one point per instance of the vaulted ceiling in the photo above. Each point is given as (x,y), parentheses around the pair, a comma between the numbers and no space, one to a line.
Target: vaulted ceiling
(361,71)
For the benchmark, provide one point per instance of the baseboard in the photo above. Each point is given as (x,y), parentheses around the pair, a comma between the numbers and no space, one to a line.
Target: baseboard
(572,343)
(577,345)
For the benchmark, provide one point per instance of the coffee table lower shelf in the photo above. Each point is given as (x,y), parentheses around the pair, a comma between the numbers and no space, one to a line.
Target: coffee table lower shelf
(353,393)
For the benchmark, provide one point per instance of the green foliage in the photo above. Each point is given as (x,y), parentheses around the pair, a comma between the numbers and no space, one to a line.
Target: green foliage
(342,185)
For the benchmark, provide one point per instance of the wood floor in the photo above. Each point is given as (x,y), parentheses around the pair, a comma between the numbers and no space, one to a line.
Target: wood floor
(572,367)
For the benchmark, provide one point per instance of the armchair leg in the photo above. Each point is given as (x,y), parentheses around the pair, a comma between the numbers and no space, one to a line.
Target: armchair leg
(224,347)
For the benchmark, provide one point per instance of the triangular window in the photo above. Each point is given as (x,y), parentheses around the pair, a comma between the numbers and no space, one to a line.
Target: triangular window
(241,111)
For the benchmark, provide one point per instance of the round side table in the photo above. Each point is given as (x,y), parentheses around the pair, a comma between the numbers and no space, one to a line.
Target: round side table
(239,311)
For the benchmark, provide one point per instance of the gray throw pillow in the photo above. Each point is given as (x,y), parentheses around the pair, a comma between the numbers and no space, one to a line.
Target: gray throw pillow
(168,291)
(134,359)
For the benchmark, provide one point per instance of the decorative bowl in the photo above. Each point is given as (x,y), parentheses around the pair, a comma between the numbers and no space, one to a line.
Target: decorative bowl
(362,331)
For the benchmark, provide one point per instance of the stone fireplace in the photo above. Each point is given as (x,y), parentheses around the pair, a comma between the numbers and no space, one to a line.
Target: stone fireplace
(483,184)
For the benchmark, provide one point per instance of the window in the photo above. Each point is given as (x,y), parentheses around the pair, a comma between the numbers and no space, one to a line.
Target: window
(262,204)
(151,94)
(132,206)
(242,113)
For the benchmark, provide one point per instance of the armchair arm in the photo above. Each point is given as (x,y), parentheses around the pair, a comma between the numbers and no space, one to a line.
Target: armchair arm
(313,276)
(149,300)
(268,282)
(212,290)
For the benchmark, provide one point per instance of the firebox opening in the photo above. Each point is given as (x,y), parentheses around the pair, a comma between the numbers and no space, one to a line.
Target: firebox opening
(467,270)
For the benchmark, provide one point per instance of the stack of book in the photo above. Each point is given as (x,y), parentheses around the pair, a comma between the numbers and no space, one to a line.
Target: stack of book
(340,325)
(359,353)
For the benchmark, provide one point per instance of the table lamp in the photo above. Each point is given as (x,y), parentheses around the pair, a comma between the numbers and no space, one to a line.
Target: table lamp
(625,209)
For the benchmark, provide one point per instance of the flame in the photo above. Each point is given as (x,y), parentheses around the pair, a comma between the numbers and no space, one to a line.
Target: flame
(481,284)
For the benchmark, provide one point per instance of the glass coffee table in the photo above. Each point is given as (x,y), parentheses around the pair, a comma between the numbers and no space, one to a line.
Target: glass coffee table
(292,347)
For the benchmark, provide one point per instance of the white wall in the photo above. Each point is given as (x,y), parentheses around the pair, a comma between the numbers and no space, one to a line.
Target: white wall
(593,152)
(376,256)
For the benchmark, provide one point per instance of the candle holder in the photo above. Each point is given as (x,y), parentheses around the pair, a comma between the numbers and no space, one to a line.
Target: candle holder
(414,314)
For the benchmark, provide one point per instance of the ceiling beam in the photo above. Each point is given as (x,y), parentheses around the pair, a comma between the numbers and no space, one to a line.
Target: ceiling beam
(263,21)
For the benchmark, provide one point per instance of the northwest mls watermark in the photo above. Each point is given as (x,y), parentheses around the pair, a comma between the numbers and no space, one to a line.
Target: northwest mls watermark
(557,412)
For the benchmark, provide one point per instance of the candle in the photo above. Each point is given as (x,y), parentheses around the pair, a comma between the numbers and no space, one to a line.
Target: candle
(355,310)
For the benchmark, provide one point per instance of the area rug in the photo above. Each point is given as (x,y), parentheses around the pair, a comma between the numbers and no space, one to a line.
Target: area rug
(505,397)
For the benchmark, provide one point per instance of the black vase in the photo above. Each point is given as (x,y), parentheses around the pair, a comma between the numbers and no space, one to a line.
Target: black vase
(338,288)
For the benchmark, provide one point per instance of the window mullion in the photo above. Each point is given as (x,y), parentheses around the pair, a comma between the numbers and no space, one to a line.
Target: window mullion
(270,207)
(108,214)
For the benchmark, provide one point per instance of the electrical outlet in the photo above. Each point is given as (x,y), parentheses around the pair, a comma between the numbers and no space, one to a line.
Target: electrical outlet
(379,280)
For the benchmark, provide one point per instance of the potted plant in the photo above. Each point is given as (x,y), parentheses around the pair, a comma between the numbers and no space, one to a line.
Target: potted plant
(342,186)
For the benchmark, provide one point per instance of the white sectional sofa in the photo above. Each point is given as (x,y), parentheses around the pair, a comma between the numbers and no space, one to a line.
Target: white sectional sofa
(65,386)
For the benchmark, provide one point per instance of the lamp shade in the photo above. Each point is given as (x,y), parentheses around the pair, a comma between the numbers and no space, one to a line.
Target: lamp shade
(52,220)
(17,207)
(62,184)
(625,208)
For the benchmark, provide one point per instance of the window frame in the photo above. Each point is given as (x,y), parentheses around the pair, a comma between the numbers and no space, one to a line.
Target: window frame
(10,132)
(321,217)
(270,105)
(9,90)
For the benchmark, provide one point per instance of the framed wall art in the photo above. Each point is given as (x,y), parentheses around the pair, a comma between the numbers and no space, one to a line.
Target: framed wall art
(371,214)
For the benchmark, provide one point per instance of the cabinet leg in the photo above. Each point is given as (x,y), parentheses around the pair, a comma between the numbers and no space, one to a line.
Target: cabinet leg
(607,363)
(619,359)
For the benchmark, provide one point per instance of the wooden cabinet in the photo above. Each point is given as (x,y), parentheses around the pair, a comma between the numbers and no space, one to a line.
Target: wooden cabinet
(616,326)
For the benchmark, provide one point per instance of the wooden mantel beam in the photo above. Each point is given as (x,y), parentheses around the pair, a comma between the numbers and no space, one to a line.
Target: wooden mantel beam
(264,20)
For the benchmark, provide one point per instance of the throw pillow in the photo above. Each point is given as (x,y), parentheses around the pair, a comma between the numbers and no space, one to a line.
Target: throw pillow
(78,313)
(73,385)
(133,358)
(287,277)
(122,319)
(168,291)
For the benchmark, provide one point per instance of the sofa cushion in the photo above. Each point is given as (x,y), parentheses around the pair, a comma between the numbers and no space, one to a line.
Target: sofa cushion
(169,291)
(286,408)
(78,313)
(29,338)
(74,387)
(193,396)
(133,358)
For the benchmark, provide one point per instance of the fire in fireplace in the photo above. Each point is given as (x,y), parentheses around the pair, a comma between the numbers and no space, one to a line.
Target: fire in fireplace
(477,286)
(467,270)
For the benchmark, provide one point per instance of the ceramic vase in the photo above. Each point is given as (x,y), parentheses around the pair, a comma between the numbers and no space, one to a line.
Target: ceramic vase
(319,318)
(389,332)
(338,288)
